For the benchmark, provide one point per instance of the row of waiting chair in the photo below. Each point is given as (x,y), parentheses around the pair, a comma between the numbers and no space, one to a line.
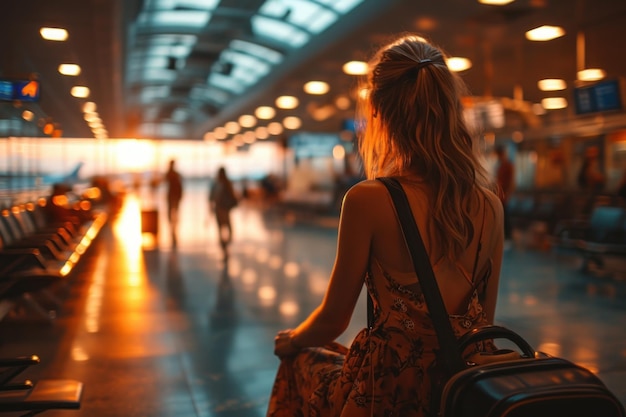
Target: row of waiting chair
(41,243)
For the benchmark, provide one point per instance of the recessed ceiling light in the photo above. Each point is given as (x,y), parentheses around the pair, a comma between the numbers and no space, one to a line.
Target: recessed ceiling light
(355,68)
(265,112)
(457,64)
(496,2)
(552,84)
(247,120)
(275,128)
(292,122)
(316,87)
(591,74)
(89,107)
(220,133)
(71,70)
(287,102)
(553,103)
(53,34)
(545,33)
(80,91)
(261,132)
(232,128)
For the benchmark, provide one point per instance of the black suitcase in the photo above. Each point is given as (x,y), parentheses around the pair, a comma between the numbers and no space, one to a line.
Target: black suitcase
(534,386)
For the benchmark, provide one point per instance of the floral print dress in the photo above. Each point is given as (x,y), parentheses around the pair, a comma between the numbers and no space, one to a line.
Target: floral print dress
(383,373)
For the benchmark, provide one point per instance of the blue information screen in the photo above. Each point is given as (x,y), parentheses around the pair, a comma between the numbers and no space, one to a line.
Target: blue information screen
(21,90)
(600,97)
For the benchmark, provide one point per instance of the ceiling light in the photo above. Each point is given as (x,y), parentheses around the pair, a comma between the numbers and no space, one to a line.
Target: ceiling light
(89,107)
(287,102)
(342,102)
(551,84)
(292,122)
(247,120)
(265,112)
(261,132)
(355,68)
(545,33)
(316,87)
(28,115)
(232,128)
(71,70)
(591,74)
(496,2)
(275,128)
(80,91)
(553,103)
(53,34)
(220,133)
(249,137)
(209,137)
(457,64)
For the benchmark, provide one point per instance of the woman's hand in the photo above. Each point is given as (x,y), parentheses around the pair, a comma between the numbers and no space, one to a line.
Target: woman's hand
(284,345)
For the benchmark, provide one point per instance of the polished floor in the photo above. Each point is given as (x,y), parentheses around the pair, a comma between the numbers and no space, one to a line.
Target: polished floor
(157,330)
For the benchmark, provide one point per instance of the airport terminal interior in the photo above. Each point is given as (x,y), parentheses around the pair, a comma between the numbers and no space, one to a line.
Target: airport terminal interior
(110,308)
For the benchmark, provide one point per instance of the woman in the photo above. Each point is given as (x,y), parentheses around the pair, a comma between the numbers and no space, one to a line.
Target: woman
(414,131)
(222,200)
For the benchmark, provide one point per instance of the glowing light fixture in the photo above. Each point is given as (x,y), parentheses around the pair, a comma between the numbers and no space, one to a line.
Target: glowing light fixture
(265,112)
(80,91)
(220,133)
(287,102)
(554,103)
(316,87)
(232,128)
(545,33)
(71,70)
(28,115)
(247,120)
(261,132)
(458,64)
(209,137)
(342,102)
(552,84)
(355,68)
(275,128)
(591,74)
(496,2)
(53,34)
(89,107)
(292,122)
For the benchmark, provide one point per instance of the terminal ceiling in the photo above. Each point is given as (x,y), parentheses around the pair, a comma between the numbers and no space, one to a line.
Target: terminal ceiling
(177,69)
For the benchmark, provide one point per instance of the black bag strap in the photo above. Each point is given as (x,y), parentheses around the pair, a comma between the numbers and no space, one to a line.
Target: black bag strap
(441,320)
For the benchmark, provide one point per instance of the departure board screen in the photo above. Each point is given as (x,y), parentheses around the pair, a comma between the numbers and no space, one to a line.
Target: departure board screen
(19,90)
(601,97)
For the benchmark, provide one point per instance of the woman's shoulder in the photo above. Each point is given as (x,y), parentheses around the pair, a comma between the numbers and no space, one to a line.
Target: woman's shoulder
(493,201)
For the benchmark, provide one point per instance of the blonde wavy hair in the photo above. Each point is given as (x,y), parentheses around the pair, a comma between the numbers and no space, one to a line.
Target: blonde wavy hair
(413,123)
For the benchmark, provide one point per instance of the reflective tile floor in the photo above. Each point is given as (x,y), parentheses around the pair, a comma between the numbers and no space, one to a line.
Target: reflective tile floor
(156,330)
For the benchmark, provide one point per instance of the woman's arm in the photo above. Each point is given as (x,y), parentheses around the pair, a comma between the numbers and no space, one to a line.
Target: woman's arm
(333,315)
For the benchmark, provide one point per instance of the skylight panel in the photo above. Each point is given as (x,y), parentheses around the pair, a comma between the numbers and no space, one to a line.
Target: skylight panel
(279,31)
(342,6)
(258,51)
(153,92)
(226,83)
(210,94)
(184,4)
(191,19)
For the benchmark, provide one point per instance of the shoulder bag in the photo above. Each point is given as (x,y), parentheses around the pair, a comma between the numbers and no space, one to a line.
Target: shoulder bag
(533,385)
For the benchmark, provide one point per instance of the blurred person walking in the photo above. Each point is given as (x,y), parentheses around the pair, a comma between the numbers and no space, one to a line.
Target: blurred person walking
(174,183)
(222,199)
(414,131)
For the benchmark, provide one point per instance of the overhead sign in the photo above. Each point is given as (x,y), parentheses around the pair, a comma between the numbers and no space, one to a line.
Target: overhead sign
(20,90)
(600,97)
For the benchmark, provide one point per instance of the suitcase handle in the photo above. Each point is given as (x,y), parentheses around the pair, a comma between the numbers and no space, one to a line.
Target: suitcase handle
(496,332)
